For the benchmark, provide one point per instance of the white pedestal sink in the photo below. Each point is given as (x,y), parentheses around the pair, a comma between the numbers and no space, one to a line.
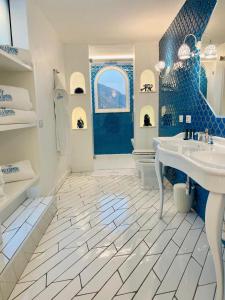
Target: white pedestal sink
(206,165)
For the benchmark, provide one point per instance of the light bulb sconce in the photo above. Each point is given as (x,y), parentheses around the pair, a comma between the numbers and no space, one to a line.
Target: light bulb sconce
(160,68)
(165,71)
(210,52)
(185,53)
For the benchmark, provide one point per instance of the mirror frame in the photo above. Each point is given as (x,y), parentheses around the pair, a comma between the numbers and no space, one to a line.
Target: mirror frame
(199,73)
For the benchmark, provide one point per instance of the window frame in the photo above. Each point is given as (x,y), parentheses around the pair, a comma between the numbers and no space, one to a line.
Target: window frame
(127,87)
(10,23)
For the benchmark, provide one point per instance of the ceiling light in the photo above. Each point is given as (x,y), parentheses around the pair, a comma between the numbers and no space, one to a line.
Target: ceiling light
(210,52)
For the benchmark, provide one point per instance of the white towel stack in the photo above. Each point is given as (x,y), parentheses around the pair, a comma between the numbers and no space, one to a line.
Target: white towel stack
(17,171)
(15,106)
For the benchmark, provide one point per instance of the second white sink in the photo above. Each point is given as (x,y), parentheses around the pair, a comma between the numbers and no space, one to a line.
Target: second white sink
(212,159)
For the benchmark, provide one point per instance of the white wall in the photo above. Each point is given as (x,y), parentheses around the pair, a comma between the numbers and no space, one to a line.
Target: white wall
(47,54)
(77,60)
(146,56)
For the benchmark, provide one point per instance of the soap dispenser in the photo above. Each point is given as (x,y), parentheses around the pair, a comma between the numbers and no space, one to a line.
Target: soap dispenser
(191,132)
(186,136)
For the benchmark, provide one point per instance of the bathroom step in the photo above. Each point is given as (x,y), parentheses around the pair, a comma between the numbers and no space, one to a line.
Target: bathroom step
(11,127)
(16,193)
(21,233)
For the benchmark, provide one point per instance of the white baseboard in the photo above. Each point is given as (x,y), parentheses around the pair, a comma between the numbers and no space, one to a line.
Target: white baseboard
(59,183)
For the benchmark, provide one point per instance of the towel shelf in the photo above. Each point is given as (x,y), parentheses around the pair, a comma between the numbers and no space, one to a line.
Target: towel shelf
(16,126)
(12,63)
(16,193)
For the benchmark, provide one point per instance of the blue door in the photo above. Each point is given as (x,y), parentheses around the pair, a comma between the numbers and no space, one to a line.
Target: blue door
(112,96)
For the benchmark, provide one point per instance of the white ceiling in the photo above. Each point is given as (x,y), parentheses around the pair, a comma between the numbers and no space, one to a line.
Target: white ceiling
(110,21)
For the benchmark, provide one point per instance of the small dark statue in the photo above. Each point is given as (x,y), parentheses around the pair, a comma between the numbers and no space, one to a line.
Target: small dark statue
(80,123)
(147,120)
(78,90)
(147,88)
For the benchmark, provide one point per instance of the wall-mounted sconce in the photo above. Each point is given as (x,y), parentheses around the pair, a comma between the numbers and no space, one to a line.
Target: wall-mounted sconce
(210,52)
(161,68)
(185,52)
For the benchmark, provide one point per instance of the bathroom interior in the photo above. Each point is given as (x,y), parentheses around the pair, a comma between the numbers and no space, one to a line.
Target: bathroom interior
(112,150)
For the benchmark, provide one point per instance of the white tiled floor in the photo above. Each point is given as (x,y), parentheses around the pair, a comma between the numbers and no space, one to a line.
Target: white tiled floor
(114,162)
(106,242)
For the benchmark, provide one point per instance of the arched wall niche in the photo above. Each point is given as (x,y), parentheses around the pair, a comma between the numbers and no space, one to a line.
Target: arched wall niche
(147,110)
(79,114)
(147,82)
(77,83)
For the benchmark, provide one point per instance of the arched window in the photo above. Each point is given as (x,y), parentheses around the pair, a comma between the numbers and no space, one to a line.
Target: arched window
(112,91)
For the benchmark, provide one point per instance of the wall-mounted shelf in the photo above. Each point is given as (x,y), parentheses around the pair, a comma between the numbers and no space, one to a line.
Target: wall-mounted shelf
(16,127)
(12,63)
(14,192)
(79,113)
(79,129)
(147,78)
(153,92)
(148,127)
(77,81)
(147,110)
(72,95)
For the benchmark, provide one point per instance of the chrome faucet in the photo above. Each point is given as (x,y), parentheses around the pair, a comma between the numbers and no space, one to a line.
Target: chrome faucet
(210,141)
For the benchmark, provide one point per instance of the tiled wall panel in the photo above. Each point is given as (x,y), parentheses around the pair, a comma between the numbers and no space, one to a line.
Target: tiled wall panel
(179,91)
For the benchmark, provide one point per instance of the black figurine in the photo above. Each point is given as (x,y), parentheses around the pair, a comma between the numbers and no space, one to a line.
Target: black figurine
(80,123)
(78,90)
(147,120)
(147,88)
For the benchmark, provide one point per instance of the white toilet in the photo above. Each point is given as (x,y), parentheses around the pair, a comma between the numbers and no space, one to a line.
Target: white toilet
(145,159)
(148,174)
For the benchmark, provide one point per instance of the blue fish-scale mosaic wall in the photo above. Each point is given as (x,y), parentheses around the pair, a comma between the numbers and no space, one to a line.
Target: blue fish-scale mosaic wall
(179,91)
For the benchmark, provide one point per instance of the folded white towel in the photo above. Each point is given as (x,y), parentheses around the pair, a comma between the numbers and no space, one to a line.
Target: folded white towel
(17,171)
(14,97)
(1,178)
(2,194)
(14,116)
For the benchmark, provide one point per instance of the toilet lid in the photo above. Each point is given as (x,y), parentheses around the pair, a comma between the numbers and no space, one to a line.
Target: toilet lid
(147,161)
(143,151)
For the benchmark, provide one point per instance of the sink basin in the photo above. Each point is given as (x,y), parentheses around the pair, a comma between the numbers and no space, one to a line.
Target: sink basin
(182,146)
(205,164)
(211,159)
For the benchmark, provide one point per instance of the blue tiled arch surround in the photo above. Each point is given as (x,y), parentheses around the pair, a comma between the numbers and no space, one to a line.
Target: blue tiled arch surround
(113,131)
